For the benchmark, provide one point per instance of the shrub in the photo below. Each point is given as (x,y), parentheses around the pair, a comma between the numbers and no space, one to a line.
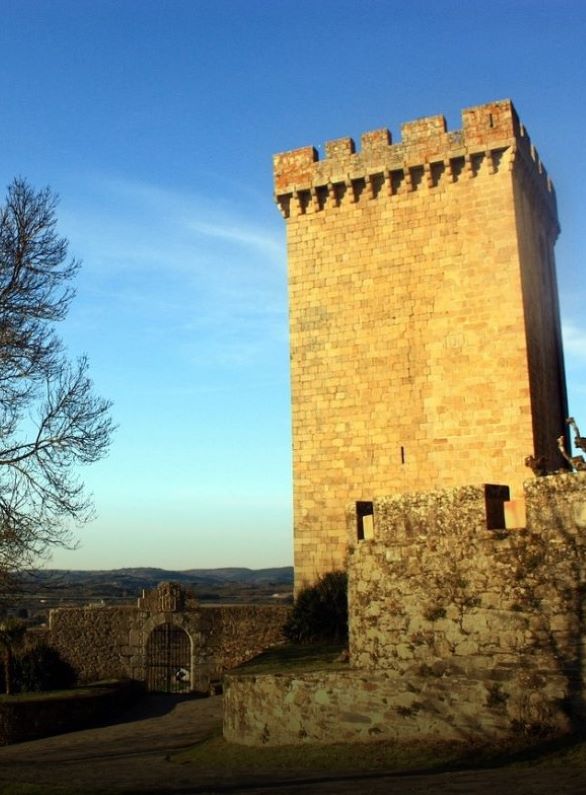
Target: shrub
(320,612)
(41,668)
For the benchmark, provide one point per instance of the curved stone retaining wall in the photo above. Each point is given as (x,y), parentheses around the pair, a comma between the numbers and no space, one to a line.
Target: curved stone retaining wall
(345,706)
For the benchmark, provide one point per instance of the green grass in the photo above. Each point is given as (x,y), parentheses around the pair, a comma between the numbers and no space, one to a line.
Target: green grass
(48,695)
(217,755)
(72,692)
(292,658)
(566,751)
(34,789)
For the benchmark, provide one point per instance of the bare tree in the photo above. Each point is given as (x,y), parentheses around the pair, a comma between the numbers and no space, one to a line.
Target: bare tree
(50,418)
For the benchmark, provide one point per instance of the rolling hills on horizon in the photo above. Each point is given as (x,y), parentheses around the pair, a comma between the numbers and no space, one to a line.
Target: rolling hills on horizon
(130,581)
(37,591)
(154,575)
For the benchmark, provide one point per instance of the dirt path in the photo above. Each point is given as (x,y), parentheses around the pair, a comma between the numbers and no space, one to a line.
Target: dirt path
(132,756)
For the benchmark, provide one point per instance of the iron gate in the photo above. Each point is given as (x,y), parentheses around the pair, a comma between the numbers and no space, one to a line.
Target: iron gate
(168,660)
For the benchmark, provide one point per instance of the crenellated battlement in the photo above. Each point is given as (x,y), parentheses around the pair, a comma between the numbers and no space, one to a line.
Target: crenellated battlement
(426,156)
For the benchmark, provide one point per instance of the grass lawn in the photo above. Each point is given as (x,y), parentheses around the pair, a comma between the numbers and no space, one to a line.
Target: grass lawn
(33,789)
(291,658)
(104,685)
(48,695)
(217,755)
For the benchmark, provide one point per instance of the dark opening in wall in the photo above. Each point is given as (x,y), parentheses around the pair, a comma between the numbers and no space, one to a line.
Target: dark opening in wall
(495,497)
(322,196)
(364,520)
(304,200)
(377,181)
(457,164)
(497,156)
(358,186)
(437,172)
(417,174)
(396,181)
(476,161)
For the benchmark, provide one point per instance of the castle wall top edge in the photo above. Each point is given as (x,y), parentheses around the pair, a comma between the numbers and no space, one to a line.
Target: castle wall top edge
(484,128)
(533,488)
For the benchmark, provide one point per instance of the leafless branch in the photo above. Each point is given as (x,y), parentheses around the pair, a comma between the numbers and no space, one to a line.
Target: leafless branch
(50,419)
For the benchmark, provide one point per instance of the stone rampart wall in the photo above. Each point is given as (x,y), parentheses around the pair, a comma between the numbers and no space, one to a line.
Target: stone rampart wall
(95,641)
(437,591)
(107,642)
(243,631)
(458,628)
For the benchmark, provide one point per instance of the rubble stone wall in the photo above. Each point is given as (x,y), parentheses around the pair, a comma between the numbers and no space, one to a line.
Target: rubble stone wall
(346,706)
(458,628)
(437,591)
(108,642)
(95,641)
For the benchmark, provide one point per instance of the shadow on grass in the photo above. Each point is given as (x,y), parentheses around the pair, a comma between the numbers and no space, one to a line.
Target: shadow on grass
(286,768)
(364,760)
(33,789)
(227,768)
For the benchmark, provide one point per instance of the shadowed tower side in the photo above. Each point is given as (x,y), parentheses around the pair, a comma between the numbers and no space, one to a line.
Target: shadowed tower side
(424,322)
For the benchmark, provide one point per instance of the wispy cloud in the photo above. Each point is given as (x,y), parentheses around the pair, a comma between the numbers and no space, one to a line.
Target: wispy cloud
(575,354)
(133,224)
(574,340)
(241,234)
(200,273)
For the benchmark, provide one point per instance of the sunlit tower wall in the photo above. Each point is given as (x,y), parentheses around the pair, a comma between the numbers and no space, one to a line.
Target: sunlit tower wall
(424,322)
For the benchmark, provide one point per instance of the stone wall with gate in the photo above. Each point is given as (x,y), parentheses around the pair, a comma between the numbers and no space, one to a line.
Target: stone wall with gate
(167,640)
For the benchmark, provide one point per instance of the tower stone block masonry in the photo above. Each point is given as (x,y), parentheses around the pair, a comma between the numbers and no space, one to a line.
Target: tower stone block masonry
(424,322)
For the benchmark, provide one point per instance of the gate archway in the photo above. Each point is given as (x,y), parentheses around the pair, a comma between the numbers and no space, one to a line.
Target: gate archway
(168,660)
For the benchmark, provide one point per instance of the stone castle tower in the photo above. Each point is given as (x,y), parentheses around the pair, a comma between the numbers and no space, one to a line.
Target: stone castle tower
(425,335)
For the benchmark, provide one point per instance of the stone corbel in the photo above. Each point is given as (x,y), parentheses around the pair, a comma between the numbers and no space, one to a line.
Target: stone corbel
(427,178)
(350,190)
(332,197)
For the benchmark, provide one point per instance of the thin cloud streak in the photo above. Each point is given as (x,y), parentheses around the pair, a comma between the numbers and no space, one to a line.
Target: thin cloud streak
(189,274)
(574,340)
(131,224)
(239,234)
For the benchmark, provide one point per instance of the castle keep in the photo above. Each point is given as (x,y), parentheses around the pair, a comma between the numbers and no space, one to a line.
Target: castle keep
(425,335)
(426,356)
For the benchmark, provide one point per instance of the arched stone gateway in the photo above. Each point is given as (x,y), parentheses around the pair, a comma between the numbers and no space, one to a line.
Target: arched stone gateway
(168,659)
(168,640)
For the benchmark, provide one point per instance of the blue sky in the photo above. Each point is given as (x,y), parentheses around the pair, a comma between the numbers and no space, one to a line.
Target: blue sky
(156,121)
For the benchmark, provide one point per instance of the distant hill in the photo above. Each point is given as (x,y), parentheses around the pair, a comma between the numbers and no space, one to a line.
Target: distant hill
(35,592)
(131,581)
